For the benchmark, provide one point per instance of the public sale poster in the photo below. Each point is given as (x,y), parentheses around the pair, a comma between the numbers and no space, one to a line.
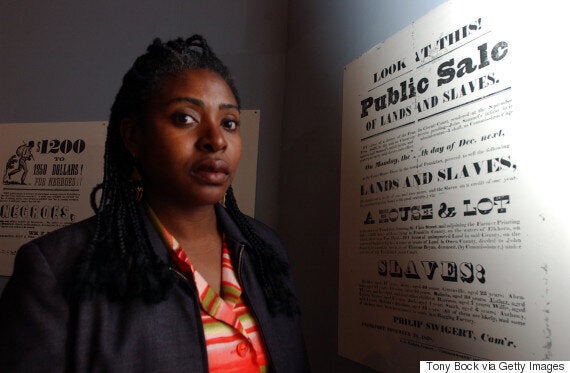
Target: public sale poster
(451,244)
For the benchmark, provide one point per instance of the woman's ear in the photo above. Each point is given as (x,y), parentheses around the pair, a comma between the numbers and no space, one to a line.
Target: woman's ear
(130,133)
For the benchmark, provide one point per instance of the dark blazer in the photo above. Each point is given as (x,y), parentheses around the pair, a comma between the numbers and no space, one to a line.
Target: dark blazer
(41,332)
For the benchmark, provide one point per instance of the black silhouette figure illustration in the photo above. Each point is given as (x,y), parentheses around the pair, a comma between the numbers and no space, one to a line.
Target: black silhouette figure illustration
(21,158)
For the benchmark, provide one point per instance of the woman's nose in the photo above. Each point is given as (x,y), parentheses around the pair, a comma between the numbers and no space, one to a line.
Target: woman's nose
(212,138)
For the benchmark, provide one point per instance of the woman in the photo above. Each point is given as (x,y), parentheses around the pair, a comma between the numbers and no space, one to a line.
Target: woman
(164,278)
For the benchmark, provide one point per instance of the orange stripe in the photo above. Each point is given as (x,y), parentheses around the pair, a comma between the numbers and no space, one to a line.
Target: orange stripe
(220,340)
(231,285)
(252,328)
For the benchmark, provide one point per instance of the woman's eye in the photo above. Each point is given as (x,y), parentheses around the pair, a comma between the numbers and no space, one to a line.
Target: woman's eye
(230,125)
(182,118)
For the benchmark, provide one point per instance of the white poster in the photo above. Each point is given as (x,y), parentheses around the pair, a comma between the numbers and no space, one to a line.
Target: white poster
(448,248)
(49,172)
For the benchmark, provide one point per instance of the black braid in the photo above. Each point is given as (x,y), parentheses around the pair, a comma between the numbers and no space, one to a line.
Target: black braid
(270,269)
(119,261)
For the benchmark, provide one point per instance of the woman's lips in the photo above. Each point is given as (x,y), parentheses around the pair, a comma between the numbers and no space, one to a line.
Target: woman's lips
(211,171)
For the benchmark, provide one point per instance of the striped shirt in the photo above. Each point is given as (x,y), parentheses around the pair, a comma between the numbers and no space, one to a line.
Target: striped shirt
(233,340)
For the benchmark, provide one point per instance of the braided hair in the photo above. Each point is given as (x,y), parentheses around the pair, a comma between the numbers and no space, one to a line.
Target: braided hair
(119,260)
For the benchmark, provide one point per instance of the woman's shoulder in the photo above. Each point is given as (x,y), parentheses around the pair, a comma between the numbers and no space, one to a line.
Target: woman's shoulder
(262,229)
(235,227)
(61,247)
(72,233)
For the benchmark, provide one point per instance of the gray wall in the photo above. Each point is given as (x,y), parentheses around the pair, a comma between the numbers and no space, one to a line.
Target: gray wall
(63,61)
(323,37)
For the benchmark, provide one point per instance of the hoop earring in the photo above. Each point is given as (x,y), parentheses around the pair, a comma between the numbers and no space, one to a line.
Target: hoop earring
(136,184)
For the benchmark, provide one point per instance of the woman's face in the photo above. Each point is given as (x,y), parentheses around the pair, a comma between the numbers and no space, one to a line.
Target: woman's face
(188,143)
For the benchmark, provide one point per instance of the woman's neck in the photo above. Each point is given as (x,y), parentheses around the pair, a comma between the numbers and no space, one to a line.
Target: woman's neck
(198,234)
(193,226)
